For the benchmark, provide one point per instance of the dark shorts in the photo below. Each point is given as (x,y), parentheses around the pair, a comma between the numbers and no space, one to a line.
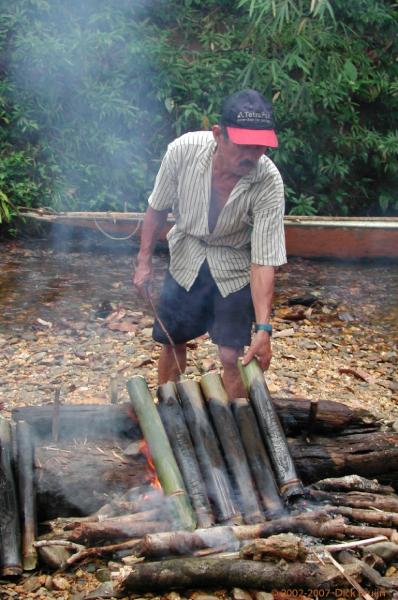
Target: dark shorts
(187,315)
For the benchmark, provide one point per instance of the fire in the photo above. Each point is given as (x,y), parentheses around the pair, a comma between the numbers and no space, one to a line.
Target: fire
(151,475)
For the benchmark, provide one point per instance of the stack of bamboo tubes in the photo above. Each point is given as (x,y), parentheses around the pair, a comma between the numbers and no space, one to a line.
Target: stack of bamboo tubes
(219,461)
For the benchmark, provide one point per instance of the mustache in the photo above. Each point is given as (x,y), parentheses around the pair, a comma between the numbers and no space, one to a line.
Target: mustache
(246,163)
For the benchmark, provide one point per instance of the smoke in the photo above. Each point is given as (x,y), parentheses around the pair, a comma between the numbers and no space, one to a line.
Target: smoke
(84,78)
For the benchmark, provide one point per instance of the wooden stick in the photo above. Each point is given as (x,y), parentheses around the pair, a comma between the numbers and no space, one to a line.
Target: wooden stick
(258,459)
(100,551)
(10,552)
(160,449)
(27,495)
(55,416)
(234,453)
(173,420)
(271,430)
(349,577)
(355,544)
(209,456)
(312,417)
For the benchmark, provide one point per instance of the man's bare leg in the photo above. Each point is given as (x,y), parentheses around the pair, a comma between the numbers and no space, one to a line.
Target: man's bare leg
(231,376)
(168,370)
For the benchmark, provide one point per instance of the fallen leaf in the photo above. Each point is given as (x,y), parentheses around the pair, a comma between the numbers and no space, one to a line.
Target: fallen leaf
(284,333)
(358,373)
(123,326)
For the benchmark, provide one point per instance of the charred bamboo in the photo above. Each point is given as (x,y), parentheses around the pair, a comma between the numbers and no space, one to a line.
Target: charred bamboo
(10,552)
(173,420)
(234,453)
(212,572)
(258,459)
(271,430)
(209,456)
(27,495)
(160,449)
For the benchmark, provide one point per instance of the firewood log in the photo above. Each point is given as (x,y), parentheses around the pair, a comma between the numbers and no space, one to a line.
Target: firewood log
(271,430)
(317,524)
(155,435)
(357,500)
(359,515)
(233,451)
(370,455)
(27,495)
(187,573)
(173,420)
(211,462)
(113,530)
(10,551)
(352,483)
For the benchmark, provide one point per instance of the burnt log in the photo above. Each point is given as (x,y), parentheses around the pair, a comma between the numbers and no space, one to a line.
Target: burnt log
(86,421)
(10,551)
(331,417)
(212,572)
(106,471)
(369,454)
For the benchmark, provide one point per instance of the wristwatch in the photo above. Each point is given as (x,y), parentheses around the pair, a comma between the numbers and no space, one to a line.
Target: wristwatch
(263,327)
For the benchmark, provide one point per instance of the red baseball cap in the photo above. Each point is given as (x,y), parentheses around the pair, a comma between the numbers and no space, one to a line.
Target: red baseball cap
(247,117)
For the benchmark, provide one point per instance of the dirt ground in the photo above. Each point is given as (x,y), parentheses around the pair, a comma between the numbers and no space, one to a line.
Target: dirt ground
(70,320)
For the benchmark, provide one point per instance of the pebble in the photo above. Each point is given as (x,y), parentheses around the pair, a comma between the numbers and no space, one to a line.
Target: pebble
(60,583)
(239,594)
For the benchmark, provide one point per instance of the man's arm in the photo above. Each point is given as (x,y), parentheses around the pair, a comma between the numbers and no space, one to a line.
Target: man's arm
(154,221)
(262,289)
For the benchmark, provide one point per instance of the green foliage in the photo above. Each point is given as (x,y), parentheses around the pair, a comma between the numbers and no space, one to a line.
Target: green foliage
(91,93)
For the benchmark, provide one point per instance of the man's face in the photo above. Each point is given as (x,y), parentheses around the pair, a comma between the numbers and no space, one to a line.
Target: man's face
(237,159)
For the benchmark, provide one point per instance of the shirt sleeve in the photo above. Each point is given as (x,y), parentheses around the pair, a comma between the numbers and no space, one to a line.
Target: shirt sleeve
(164,193)
(268,245)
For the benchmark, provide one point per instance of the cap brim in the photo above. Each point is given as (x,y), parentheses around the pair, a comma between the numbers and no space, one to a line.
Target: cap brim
(253,137)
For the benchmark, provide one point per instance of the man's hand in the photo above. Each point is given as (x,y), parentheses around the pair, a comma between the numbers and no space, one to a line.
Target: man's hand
(260,348)
(142,277)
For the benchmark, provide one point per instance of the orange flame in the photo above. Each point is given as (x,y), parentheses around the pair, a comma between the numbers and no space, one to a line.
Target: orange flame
(151,474)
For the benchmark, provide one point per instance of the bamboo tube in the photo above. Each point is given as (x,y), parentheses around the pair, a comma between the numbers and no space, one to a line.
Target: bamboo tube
(209,456)
(234,453)
(258,459)
(27,495)
(162,454)
(10,552)
(173,420)
(271,430)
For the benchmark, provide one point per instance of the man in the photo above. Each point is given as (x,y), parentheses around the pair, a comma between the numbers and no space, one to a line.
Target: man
(228,203)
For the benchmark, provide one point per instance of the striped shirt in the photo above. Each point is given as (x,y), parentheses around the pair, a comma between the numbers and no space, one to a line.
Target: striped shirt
(249,228)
